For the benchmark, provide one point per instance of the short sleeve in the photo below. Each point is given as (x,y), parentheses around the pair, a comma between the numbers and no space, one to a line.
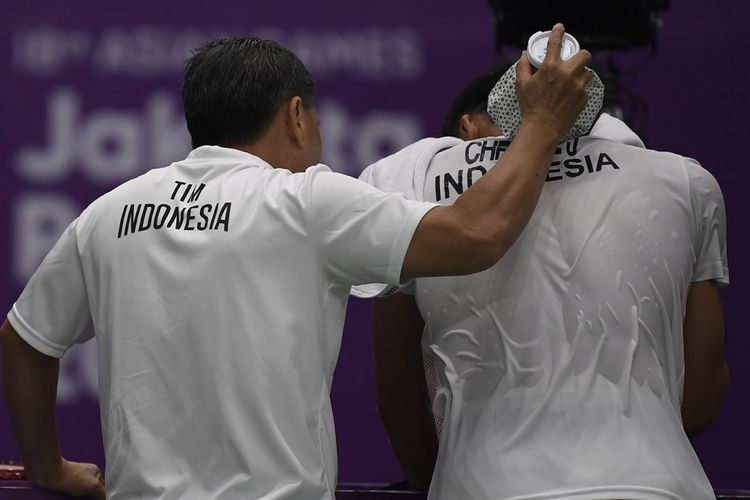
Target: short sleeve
(53,312)
(709,223)
(361,234)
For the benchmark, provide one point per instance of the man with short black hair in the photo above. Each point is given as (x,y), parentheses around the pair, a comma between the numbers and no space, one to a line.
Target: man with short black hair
(218,106)
(216,287)
(468,118)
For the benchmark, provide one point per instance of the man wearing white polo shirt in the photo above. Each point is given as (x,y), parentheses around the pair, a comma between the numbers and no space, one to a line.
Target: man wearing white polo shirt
(216,286)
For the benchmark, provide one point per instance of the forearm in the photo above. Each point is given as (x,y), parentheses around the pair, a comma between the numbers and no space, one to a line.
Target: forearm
(411,431)
(702,399)
(30,388)
(502,201)
(401,388)
(473,233)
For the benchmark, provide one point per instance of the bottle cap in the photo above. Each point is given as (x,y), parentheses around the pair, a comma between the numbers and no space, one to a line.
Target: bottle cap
(537,48)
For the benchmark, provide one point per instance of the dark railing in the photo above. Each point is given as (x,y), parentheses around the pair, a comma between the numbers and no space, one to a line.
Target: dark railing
(20,490)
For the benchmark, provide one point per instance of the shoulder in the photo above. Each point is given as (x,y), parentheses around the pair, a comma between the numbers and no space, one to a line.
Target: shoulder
(704,188)
(699,175)
(701,182)
(123,191)
(648,162)
(322,183)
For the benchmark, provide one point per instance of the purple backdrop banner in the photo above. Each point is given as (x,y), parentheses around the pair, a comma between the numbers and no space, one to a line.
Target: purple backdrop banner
(90,98)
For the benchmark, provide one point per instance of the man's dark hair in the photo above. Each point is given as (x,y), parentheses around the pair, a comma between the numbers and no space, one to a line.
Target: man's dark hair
(233,88)
(471,99)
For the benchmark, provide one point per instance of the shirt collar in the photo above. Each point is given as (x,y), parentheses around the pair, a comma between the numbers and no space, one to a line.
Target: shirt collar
(213,153)
(609,128)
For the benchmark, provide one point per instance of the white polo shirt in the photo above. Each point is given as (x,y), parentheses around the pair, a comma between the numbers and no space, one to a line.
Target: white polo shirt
(560,369)
(216,288)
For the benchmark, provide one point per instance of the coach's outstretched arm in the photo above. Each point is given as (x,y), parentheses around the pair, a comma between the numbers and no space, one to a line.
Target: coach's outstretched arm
(473,233)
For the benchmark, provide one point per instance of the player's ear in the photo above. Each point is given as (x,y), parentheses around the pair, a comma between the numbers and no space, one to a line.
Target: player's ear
(467,130)
(294,119)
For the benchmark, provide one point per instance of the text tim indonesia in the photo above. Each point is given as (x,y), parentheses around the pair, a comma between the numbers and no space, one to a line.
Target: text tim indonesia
(455,183)
(215,216)
(143,216)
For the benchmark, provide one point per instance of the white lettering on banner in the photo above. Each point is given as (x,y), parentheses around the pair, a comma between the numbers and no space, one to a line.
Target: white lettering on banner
(146,51)
(141,53)
(108,145)
(379,54)
(372,53)
(78,374)
(53,163)
(39,221)
(350,145)
(112,146)
(45,50)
